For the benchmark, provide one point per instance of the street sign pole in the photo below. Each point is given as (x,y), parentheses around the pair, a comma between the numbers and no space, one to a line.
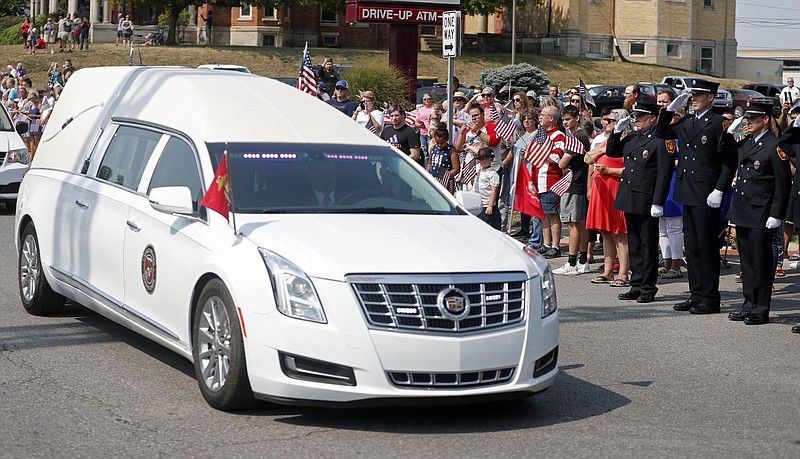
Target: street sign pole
(451,48)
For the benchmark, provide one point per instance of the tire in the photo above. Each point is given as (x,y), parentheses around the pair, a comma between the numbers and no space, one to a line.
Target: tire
(37,297)
(738,111)
(218,350)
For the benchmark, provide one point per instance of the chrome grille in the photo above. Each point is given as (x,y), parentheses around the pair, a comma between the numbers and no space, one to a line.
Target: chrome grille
(451,380)
(410,302)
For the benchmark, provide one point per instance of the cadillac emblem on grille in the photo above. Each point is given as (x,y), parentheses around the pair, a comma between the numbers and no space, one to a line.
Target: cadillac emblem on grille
(453,303)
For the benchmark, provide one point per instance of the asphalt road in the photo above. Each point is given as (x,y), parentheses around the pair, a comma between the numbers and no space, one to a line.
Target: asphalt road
(635,381)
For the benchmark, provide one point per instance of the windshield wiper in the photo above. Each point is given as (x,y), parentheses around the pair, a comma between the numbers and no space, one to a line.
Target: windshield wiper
(373,210)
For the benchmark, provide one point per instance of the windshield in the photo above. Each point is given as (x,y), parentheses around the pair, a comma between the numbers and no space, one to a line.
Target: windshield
(5,122)
(307,178)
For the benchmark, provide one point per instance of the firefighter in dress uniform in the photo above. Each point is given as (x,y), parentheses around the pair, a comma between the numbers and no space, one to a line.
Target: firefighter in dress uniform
(643,189)
(706,166)
(789,138)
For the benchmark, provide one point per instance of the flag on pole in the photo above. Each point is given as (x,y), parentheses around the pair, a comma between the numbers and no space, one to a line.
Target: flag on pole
(307,82)
(506,88)
(526,198)
(537,153)
(574,145)
(585,93)
(561,186)
(217,198)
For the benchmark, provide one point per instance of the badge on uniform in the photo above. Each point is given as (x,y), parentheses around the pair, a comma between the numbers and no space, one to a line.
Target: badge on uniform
(782,154)
(757,164)
(645,154)
(726,124)
(704,139)
(670,146)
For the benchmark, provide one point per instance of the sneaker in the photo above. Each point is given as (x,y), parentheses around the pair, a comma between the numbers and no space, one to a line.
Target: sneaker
(794,265)
(583,268)
(779,272)
(567,270)
(552,252)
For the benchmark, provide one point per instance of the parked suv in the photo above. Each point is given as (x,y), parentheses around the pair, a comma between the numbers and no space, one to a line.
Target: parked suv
(201,231)
(14,161)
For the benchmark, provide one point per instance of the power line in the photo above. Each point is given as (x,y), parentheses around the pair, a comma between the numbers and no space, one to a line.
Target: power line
(768,7)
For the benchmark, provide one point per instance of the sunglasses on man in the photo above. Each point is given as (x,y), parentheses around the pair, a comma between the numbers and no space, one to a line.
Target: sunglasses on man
(341,88)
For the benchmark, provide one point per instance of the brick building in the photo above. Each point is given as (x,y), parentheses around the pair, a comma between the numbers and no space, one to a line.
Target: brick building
(696,35)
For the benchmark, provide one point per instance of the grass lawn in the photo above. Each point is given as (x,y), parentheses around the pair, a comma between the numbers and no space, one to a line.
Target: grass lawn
(283,62)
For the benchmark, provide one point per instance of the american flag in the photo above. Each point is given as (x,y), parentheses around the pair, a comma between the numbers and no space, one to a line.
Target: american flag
(468,170)
(445,177)
(306,82)
(574,145)
(537,153)
(585,93)
(561,186)
(506,128)
(411,118)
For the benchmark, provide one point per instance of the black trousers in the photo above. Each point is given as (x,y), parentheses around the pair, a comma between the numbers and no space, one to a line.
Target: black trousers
(758,268)
(701,238)
(643,250)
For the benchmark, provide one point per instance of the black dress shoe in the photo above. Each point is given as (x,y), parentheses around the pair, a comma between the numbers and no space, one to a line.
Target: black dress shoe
(704,308)
(738,316)
(686,305)
(646,298)
(521,234)
(796,329)
(629,295)
(756,319)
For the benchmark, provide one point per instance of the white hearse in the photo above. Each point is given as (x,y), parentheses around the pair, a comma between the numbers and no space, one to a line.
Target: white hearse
(342,274)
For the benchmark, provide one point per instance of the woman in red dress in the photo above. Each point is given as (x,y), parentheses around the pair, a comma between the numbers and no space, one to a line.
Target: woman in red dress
(604,177)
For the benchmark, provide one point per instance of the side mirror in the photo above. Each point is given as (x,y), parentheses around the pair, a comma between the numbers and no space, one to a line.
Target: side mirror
(21,128)
(469,201)
(172,200)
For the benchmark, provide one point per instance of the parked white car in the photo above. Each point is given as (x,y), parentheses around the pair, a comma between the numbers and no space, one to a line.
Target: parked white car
(389,290)
(14,160)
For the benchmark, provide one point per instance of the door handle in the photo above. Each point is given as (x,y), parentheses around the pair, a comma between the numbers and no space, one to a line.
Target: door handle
(81,204)
(132,225)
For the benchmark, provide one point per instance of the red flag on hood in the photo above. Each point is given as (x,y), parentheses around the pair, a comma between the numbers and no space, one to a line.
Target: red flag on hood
(217,198)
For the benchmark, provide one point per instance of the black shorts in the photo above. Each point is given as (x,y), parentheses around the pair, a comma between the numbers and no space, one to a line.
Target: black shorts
(119,34)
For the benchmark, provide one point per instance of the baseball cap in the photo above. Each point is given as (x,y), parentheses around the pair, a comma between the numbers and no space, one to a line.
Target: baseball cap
(531,93)
(343,83)
(485,152)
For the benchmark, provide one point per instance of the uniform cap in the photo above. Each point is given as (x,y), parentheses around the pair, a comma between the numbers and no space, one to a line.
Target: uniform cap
(757,109)
(645,108)
(700,85)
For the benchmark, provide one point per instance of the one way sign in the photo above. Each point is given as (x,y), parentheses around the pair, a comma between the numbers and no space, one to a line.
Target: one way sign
(451,34)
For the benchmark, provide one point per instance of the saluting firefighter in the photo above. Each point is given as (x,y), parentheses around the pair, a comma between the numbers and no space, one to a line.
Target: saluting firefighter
(643,190)
(706,165)
(760,198)
(790,137)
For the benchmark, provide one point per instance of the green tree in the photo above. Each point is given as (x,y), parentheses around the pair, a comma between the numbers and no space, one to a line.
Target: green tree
(12,7)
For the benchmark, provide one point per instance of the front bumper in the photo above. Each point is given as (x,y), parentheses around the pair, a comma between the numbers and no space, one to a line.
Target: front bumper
(377,357)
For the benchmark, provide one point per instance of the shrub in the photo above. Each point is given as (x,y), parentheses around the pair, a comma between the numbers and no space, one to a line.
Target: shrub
(12,35)
(388,83)
(523,77)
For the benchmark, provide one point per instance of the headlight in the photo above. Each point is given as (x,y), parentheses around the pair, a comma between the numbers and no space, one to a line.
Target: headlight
(295,295)
(17,156)
(548,282)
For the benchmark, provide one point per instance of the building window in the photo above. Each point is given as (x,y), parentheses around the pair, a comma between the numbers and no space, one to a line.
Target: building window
(596,47)
(427,29)
(245,11)
(268,40)
(708,4)
(706,60)
(791,64)
(673,50)
(637,49)
(329,17)
(330,39)
(270,12)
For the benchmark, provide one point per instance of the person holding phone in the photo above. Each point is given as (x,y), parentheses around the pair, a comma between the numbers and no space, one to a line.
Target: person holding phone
(367,115)
(790,93)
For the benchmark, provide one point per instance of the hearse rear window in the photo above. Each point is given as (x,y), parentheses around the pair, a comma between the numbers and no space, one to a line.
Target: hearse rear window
(127,155)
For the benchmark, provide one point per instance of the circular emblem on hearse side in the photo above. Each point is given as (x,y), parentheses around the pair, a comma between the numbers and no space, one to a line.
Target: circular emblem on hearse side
(149,269)
(453,303)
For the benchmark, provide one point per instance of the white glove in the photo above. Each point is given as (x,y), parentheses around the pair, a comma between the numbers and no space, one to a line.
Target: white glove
(623,123)
(679,102)
(773,223)
(735,124)
(796,122)
(656,211)
(714,199)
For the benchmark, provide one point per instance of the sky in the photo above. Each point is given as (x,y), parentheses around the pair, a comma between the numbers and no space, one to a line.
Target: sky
(768,24)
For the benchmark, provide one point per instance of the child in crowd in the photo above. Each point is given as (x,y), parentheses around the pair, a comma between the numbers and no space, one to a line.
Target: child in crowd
(487,184)
(443,161)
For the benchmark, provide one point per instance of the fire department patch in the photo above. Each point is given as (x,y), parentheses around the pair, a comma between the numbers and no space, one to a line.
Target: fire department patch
(645,154)
(726,124)
(757,164)
(704,139)
(782,154)
(149,269)
(670,146)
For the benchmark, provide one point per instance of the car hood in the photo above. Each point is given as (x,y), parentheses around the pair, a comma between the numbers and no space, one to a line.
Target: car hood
(331,246)
(10,141)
